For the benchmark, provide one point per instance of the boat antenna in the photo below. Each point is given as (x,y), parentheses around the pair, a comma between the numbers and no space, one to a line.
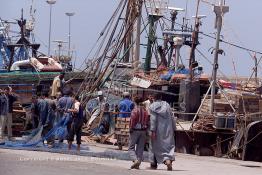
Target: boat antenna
(185,18)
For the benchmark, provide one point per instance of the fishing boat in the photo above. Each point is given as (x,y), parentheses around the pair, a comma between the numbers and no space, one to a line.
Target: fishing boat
(24,68)
(216,116)
(212,111)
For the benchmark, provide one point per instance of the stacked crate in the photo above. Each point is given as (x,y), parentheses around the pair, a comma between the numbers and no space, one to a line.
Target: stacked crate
(246,104)
(220,105)
(242,102)
(206,120)
(18,119)
(122,131)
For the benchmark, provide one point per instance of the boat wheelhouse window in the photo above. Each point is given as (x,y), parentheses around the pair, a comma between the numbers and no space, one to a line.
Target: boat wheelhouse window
(27,68)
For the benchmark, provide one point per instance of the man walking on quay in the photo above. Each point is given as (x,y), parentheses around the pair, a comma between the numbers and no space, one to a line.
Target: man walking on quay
(7,100)
(139,122)
(162,128)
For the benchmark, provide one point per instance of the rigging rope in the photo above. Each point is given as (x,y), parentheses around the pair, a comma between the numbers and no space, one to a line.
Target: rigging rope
(232,44)
(221,40)
(114,54)
(207,2)
(205,57)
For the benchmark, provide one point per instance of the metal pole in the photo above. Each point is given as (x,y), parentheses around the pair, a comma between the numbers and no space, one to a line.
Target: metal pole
(150,41)
(138,32)
(69,38)
(69,14)
(255,69)
(219,10)
(59,51)
(50,2)
(50,22)
(173,19)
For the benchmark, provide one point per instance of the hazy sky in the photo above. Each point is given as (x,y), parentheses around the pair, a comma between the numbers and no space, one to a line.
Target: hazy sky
(242,25)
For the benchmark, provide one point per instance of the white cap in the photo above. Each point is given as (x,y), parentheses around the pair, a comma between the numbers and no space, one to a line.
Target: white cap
(99,93)
(126,94)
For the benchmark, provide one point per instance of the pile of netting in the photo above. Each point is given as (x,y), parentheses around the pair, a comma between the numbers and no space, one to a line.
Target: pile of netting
(36,138)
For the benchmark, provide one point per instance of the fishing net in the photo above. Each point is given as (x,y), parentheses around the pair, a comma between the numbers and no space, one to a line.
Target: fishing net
(35,139)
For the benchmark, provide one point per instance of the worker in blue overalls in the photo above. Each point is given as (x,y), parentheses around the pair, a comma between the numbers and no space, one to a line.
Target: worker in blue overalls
(126,106)
(77,123)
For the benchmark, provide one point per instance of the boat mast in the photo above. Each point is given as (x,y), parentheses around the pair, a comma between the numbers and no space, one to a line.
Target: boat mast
(155,9)
(176,40)
(174,14)
(219,10)
(138,31)
(131,12)
(194,42)
(150,41)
